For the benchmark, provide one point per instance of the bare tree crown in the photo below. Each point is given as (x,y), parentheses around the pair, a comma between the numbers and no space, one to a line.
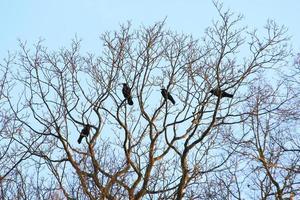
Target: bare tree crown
(157,115)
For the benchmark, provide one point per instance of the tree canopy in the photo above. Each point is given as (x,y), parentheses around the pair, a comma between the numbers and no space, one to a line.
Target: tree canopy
(211,118)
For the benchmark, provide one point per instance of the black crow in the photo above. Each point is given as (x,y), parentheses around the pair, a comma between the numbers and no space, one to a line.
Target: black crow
(221,93)
(84,133)
(167,95)
(127,93)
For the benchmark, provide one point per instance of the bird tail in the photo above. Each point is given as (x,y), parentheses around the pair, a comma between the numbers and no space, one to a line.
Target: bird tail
(173,101)
(228,95)
(129,100)
(80,139)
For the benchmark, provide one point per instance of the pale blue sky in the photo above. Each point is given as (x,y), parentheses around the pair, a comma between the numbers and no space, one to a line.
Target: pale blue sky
(58,21)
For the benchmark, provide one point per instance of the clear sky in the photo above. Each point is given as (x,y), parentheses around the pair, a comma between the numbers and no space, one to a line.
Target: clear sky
(57,21)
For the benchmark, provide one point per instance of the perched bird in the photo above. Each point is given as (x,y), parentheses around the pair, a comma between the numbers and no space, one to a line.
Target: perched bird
(167,95)
(84,133)
(127,93)
(221,93)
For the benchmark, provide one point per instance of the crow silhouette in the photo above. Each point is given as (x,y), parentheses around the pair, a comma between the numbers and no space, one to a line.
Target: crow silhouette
(167,95)
(127,93)
(221,93)
(84,133)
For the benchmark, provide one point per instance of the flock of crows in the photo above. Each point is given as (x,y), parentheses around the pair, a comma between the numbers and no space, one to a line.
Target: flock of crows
(127,94)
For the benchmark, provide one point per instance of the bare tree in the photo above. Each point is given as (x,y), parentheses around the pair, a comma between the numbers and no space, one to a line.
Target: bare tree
(205,146)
